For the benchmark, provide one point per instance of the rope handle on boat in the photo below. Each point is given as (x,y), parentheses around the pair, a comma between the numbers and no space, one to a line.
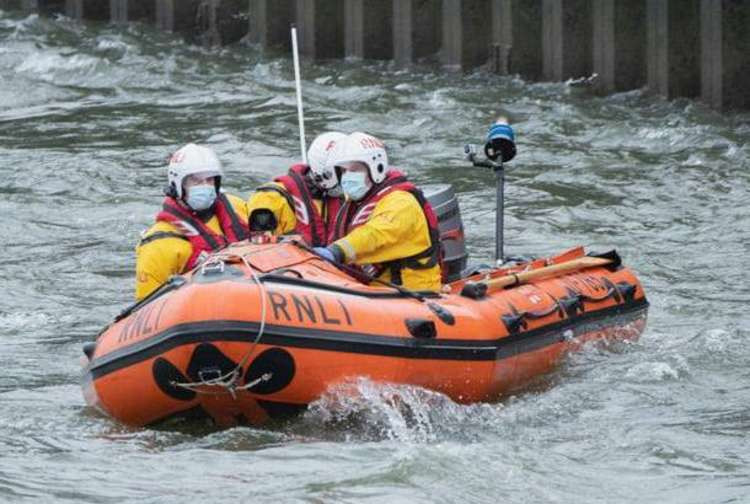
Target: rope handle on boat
(477,290)
(230,384)
(571,306)
(229,380)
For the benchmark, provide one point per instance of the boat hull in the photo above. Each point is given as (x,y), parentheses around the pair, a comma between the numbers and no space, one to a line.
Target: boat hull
(286,341)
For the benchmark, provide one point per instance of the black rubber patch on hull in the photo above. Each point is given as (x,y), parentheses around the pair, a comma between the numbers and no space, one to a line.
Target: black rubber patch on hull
(276,361)
(208,362)
(164,374)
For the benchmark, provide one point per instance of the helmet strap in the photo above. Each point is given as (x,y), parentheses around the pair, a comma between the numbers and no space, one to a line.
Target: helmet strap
(375,187)
(170,190)
(206,214)
(315,190)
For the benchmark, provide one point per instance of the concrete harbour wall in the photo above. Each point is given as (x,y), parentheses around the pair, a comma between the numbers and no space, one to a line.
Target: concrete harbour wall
(675,48)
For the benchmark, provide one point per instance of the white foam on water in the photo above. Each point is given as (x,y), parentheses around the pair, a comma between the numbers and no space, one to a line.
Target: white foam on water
(18,24)
(106,44)
(369,409)
(723,345)
(717,340)
(45,65)
(280,100)
(24,320)
(271,73)
(694,160)
(652,372)
(439,99)
(112,48)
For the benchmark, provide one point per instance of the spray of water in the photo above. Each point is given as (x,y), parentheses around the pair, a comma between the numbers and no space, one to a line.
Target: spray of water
(367,410)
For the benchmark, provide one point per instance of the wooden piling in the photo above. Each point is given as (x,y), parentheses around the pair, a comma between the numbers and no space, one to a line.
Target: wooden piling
(467,32)
(269,23)
(416,30)
(673,47)
(368,29)
(321,28)
(619,47)
(517,37)
(176,15)
(566,39)
(725,53)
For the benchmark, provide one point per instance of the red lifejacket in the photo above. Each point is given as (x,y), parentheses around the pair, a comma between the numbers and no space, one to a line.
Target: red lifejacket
(355,213)
(200,236)
(316,227)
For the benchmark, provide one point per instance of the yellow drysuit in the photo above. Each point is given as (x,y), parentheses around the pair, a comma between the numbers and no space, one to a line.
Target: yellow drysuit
(396,229)
(163,252)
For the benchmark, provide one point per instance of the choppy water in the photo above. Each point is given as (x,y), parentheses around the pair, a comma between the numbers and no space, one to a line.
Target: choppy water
(88,115)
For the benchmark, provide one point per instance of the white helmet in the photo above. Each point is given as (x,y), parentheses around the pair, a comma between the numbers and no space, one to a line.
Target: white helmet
(191,160)
(324,175)
(363,148)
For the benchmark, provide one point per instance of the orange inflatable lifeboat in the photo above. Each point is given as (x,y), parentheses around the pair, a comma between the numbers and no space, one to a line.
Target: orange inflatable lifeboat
(260,331)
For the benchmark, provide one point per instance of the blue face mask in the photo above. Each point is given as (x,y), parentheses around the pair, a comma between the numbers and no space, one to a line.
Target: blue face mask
(201,197)
(354,184)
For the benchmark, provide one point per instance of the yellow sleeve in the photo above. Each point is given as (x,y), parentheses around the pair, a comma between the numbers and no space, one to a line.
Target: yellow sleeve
(278,205)
(396,229)
(158,259)
(239,205)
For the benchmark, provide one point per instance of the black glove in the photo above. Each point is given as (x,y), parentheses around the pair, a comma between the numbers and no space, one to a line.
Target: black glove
(261,220)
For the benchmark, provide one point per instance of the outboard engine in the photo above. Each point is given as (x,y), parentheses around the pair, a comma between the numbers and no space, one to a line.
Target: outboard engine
(444,202)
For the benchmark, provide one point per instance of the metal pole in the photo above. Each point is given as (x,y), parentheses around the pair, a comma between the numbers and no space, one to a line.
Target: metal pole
(499,213)
(298,85)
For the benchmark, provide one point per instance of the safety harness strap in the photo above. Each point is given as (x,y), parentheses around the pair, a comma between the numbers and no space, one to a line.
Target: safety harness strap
(159,235)
(309,205)
(197,225)
(239,231)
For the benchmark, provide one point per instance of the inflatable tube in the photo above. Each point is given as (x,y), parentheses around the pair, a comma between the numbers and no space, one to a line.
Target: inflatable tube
(261,331)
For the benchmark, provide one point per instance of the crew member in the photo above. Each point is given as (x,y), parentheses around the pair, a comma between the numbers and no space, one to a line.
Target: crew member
(386,226)
(305,201)
(196,219)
